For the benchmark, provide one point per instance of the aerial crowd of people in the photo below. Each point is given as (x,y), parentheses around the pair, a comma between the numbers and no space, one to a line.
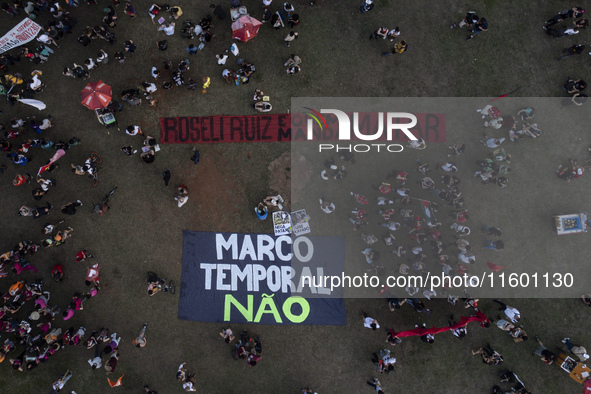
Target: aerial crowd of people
(405,227)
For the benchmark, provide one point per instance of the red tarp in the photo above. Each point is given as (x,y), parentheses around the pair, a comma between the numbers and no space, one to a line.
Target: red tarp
(278,128)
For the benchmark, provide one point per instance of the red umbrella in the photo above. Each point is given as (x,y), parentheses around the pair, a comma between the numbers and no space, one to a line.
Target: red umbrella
(245,28)
(96,95)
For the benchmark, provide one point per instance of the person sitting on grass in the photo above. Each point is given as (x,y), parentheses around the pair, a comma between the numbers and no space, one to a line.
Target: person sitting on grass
(489,355)
(262,106)
(227,334)
(399,48)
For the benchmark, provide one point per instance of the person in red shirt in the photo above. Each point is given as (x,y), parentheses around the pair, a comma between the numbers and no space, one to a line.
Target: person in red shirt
(83,255)
(57,272)
(21,180)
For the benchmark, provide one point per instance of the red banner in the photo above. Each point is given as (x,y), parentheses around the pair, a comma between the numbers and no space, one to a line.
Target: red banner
(283,128)
(480,317)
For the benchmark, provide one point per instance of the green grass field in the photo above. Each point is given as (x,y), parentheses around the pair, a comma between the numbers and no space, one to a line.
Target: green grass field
(143,229)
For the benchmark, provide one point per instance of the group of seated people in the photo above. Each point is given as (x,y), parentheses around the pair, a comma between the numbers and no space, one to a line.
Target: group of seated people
(242,75)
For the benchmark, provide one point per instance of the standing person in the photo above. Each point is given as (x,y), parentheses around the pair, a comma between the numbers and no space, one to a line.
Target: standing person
(427,338)
(129,9)
(367,5)
(182,195)
(129,46)
(469,20)
(511,312)
(293,61)
(102,57)
(196,156)
(218,11)
(480,26)
(166,175)
(120,57)
(290,37)
(382,32)
(288,8)
(141,340)
(392,34)
(261,211)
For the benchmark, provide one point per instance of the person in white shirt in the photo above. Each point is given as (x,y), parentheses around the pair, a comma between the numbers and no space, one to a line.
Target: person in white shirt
(97,361)
(221,59)
(511,312)
(61,382)
(134,130)
(467,258)
(167,28)
(327,207)
(370,322)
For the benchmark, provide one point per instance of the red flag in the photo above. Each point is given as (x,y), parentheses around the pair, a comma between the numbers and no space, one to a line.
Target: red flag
(494,267)
(59,153)
(117,383)
(505,95)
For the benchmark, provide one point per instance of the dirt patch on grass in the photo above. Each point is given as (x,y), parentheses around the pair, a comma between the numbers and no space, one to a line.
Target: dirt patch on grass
(282,170)
(210,189)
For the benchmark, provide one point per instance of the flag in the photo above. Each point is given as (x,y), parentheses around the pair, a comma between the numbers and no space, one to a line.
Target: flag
(117,383)
(426,205)
(494,267)
(34,103)
(505,95)
(57,155)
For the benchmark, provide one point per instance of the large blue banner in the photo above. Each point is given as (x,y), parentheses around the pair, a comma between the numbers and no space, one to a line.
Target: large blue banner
(260,278)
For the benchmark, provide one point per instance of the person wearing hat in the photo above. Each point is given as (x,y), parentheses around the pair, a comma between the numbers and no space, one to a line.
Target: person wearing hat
(577,350)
